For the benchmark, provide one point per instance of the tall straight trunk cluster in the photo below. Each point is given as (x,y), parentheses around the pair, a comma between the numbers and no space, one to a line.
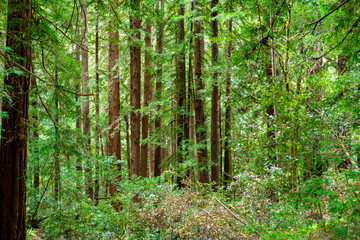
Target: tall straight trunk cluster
(13,150)
(135,86)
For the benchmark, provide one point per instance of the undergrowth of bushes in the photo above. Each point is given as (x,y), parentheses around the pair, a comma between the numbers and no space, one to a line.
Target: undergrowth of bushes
(251,207)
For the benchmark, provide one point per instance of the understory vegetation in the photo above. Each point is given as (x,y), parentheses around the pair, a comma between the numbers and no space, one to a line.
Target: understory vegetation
(253,206)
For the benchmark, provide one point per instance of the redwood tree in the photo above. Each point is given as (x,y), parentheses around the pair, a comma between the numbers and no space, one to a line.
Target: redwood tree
(159,49)
(135,86)
(181,89)
(13,150)
(85,89)
(146,100)
(215,170)
(114,147)
(200,127)
(227,150)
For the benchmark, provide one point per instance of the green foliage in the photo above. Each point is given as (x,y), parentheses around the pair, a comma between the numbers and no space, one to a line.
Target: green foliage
(294,171)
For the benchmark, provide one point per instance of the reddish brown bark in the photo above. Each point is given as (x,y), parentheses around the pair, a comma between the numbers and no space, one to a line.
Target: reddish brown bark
(135,87)
(159,49)
(189,128)
(13,150)
(146,100)
(128,144)
(85,89)
(114,147)
(227,150)
(78,105)
(97,110)
(200,127)
(215,170)
(182,125)
(35,136)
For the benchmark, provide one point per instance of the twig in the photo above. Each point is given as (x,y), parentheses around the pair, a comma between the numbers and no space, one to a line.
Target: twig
(57,28)
(234,215)
(341,42)
(323,17)
(316,23)
(41,79)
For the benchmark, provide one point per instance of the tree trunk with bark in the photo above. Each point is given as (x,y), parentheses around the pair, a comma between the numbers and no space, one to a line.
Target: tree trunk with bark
(56,147)
(181,93)
(85,90)
(159,49)
(13,150)
(78,105)
(215,170)
(227,150)
(146,100)
(97,110)
(135,86)
(114,147)
(35,135)
(200,127)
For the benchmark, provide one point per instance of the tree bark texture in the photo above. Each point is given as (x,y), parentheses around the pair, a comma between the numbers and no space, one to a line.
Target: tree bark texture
(159,49)
(189,129)
(227,150)
(57,148)
(215,170)
(146,100)
(13,150)
(114,147)
(85,90)
(135,87)
(35,136)
(97,110)
(200,127)
(78,105)
(181,93)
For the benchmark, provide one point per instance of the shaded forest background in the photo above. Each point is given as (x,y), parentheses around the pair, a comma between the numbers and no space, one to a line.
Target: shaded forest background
(150,119)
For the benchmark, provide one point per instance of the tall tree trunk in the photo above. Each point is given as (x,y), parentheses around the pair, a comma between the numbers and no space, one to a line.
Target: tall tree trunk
(128,144)
(227,150)
(181,94)
(35,137)
(56,147)
(270,110)
(114,147)
(159,49)
(146,100)
(215,170)
(152,148)
(13,150)
(85,89)
(200,127)
(135,87)
(78,105)
(97,110)
(189,128)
